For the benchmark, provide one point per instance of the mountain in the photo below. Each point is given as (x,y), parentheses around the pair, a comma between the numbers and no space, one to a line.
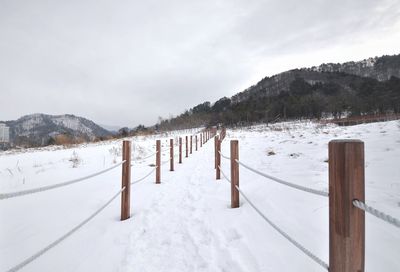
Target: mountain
(370,86)
(41,129)
(379,68)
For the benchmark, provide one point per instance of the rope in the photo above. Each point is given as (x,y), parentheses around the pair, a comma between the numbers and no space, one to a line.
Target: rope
(381,215)
(223,156)
(142,159)
(54,186)
(284,234)
(65,236)
(299,187)
(141,179)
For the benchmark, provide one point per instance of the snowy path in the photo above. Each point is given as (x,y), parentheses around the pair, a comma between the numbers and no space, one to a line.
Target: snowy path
(175,232)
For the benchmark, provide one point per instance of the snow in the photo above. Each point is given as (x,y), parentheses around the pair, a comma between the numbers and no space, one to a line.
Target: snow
(185,223)
(72,122)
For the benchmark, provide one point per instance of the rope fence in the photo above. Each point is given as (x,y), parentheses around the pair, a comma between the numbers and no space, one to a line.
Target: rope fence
(58,185)
(293,185)
(381,215)
(278,229)
(145,158)
(124,191)
(346,189)
(143,178)
(65,236)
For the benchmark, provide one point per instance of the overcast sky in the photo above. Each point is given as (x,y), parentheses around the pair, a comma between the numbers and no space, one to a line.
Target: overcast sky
(126,62)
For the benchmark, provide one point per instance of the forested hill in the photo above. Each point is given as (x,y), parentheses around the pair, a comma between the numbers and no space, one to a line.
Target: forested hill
(371,86)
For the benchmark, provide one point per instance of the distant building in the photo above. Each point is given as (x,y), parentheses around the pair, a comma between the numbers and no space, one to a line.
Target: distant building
(4,133)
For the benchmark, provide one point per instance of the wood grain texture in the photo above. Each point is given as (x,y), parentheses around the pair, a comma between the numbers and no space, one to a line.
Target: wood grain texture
(346,222)
(171,154)
(218,171)
(180,150)
(158,162)
(191,144)
(187,147)
(126,180)
(234,173)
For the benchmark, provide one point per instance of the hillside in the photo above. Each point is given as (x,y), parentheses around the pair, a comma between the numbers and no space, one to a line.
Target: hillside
(378,68)
(40,129)
(370,86)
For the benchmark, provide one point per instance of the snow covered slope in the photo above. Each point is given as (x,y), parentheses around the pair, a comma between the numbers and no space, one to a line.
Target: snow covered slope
(38,128)
(185,223)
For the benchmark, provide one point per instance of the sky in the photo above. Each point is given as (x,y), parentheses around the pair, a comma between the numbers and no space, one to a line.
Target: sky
(125,63)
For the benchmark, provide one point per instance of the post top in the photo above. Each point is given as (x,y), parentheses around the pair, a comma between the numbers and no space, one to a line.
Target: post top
(346,141)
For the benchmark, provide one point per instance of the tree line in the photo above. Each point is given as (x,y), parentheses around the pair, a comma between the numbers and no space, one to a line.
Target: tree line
(342,95)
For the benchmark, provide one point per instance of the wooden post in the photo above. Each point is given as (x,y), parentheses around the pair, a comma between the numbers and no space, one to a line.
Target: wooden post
(171,154)
(218,171)
(191,143)
(195,138)
(346,222)
(158,162)
(201,139)
(126,181)
(187,147)
(215,151)
(180,150)
(234,174)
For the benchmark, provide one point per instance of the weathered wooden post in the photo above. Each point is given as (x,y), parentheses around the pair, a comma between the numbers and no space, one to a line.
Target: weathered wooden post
(346,222)
(191,143)
(201,139)
(234,173)
(218,171)
(180,150)
(195,138)
(171,153)
(187,147)
(158,162)
(126,181)
(215,151)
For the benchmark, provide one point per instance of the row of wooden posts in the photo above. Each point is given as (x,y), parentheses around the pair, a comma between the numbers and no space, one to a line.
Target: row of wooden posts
(346,183)
(200,138)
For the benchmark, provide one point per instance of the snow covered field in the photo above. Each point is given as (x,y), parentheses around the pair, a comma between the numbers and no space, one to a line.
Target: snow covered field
(185,224)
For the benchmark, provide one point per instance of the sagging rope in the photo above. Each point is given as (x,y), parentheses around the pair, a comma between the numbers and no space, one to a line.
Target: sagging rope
(296,186)
(283,233)
(381,215)
(54,186)
(65,236)
(143,178)
(142,159)
(223,156)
